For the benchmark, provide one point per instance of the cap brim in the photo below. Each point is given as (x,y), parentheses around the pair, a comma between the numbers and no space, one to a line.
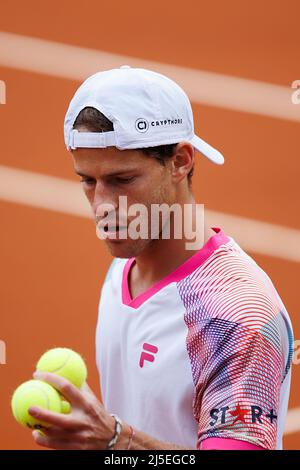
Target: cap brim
(210,152)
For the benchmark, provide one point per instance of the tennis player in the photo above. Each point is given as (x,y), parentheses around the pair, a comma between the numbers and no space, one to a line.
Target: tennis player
(193,345)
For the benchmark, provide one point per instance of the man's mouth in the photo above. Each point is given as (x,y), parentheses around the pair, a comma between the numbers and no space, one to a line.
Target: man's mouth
(114,229)
(111,231)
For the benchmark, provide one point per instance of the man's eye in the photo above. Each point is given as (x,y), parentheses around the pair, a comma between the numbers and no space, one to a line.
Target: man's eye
(88,181)
(124,180)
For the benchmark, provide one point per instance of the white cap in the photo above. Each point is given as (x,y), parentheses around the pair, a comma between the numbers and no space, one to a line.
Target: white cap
(146,108)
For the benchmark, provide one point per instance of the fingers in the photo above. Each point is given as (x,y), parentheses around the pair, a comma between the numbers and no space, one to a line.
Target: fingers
(56,432)
(68,431)
(56,419)
(54,443)
(68,390)
(85,388)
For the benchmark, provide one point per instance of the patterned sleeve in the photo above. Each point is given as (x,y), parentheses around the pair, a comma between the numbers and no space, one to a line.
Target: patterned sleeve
(240,351)
(239,362)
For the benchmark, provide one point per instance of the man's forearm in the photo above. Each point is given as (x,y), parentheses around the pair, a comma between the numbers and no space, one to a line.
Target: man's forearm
(142,441)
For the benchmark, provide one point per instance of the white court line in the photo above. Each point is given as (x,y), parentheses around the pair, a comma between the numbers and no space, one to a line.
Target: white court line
(224,91)
(43,191)
(292,424)
(259,237)
(60,195)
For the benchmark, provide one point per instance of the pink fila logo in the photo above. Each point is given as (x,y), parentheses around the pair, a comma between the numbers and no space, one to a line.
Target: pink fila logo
(147,356)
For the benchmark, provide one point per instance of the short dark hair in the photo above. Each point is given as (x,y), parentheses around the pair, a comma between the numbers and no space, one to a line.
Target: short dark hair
(97,122)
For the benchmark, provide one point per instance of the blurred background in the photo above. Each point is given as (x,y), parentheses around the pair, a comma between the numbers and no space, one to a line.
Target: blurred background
(237,60)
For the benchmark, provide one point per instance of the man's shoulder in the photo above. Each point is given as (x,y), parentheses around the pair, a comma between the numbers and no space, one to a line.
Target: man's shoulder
(232,287)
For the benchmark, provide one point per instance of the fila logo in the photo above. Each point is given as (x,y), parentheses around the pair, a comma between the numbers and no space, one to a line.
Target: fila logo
(147,356)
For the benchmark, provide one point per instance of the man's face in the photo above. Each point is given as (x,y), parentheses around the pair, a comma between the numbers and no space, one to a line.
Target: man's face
(107,174)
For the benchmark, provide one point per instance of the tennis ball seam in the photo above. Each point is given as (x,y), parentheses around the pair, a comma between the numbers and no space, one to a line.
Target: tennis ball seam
(37,386)
(62,365)
(72,365)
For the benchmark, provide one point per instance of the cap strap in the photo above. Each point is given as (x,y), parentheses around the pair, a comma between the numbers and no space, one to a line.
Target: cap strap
(91,139)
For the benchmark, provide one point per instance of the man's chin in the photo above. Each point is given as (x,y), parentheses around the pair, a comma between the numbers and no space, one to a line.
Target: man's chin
(123,248)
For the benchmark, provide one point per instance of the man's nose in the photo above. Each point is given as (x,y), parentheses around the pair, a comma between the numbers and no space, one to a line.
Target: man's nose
(104,202)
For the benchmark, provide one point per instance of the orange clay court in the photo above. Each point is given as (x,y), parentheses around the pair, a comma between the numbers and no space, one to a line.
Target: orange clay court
(237,61)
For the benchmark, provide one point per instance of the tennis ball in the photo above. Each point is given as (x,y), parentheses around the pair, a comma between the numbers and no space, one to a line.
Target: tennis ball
(35,393)
(65,362)
(65,406)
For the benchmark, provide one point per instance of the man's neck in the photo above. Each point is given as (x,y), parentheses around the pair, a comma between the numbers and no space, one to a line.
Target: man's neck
(161,258)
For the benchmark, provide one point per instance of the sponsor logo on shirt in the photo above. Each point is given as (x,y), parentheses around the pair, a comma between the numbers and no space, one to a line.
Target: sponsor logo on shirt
(149,355)
(253,414)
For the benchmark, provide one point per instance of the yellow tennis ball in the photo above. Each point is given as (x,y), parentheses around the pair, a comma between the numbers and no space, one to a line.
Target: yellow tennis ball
(35,393)
(65,362)
(65,406)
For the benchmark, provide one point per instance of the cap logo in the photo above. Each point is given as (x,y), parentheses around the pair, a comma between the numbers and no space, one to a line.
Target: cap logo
(141,125)
(166,122)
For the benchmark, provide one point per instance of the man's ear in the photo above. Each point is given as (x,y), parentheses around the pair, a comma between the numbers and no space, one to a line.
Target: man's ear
(182,161)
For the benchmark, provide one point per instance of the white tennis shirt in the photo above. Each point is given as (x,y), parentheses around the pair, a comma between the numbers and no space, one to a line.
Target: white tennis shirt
(203,356)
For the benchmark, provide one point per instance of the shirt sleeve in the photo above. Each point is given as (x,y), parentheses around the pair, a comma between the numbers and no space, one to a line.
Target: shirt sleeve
(238,372)
(218,443)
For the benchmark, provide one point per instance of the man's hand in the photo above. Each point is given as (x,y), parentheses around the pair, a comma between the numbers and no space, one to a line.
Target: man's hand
(88,427)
